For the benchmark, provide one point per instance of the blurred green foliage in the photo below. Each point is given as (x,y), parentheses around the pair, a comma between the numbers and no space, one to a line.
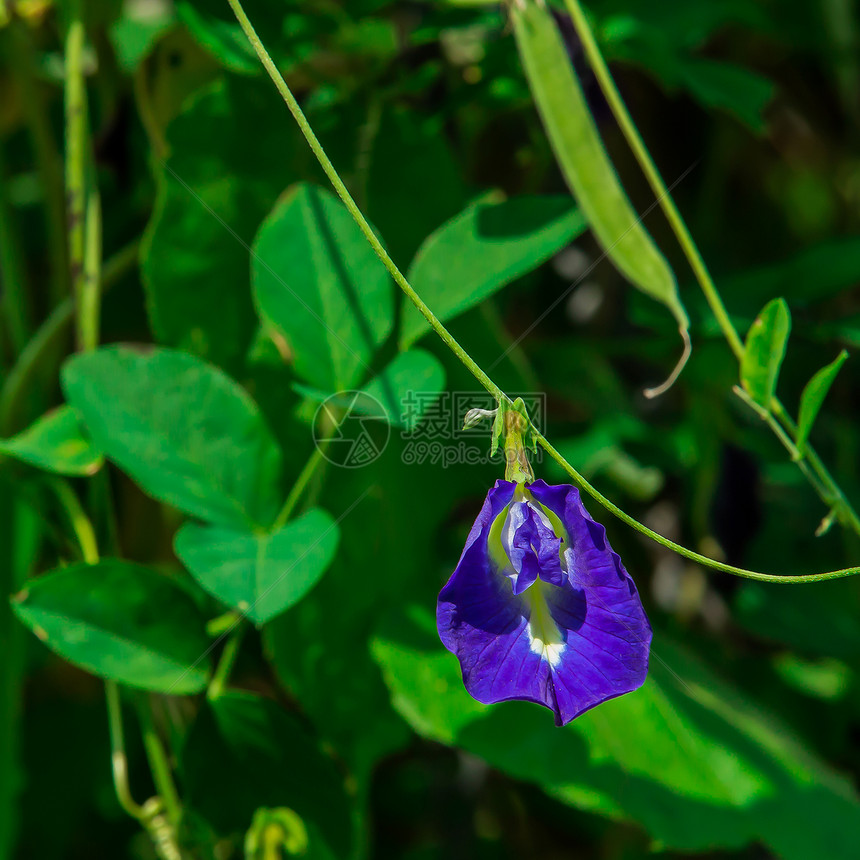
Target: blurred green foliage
(238,296)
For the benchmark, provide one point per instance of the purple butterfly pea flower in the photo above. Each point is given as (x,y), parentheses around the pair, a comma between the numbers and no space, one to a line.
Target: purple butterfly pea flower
(540,608)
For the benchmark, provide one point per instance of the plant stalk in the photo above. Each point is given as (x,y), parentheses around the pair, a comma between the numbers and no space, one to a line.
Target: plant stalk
(83,210)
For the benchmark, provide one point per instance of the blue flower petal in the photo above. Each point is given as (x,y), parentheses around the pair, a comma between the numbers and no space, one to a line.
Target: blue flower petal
(567,630)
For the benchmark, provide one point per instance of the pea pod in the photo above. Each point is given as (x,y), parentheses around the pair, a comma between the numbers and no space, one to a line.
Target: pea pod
(580,153)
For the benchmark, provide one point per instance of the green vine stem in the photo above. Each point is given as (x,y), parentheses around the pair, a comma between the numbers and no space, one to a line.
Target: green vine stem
(79,521)
(119,760)
(826,487)
(785,439)
(461,353)
(314,461)
(228,660)
(81,196)
(159,764)
(160,815)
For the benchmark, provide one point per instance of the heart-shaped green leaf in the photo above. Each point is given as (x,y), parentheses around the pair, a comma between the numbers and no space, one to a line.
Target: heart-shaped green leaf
(120,621)
(186,432)
(260,574)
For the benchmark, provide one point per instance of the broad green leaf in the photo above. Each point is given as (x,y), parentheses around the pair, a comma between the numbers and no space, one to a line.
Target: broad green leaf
(686,756)
(411,161)
(120,621)
(318,282)
(55,443)
(481,250)
(186,432)
(813,397)
(408,387)
(214,189)
(764,351)
(244,752)
(260,574)
(584,162)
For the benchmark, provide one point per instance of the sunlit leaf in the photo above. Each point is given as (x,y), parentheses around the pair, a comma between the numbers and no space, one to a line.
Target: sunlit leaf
(186,432)
(260,574)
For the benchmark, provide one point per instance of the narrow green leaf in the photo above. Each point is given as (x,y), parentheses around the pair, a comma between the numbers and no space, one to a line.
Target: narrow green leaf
(584,162)
(481,250)
(120,621)
(408,387)
(813,396)
(764,351)
(318,282)
(186,432)
(260,574)
(55,443)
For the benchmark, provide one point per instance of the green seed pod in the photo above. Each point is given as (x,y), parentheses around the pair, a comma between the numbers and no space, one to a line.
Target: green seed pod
(583,160)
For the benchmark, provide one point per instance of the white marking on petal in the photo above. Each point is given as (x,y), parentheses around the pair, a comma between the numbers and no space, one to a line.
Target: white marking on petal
(544,635)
